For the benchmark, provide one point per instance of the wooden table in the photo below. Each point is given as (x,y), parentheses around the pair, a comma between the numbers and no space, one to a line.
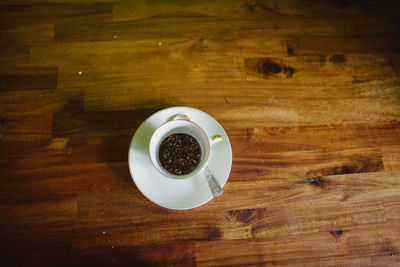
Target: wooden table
(308,92)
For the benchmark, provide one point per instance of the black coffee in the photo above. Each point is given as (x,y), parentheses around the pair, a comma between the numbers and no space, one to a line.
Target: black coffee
(179,154)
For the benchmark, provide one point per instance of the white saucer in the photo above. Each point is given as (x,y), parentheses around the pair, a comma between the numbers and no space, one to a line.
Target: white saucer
(171,193)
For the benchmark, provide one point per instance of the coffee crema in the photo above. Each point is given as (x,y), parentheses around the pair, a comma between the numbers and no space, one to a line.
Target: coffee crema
(179,154)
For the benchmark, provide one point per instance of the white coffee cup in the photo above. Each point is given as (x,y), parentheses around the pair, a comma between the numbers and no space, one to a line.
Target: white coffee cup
(180,123)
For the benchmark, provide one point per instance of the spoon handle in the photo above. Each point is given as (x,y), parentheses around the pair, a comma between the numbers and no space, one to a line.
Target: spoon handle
(216,189)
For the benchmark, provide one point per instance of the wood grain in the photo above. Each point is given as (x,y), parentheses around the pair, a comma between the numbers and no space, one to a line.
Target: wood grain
(308,92)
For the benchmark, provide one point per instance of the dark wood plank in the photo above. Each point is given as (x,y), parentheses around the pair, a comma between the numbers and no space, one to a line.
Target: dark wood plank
(300,138)
(27,127)
(125,10)
(203,25)
(72,120)
(51,13)
(28,79)
(27,114)
(391,157)
(30,224)
(323,45)
(61,151)
(305,164)
(247,209)
(51,256)
(26,34)
(14,55)
(38,102)
(346,248)
(171,254)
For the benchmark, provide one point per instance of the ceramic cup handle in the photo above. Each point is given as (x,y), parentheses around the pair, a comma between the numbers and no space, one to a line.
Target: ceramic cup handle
(215,139)
(179,117)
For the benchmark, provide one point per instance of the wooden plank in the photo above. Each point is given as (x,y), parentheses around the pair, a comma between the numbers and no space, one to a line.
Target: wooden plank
(149,86)
(33,87)
(23,103)
(291,196)
(26,235)
(307,112)
(71,120)
(37,212)
(206,26)
(323,45)
(247,82)
(35,2)
(60,151)
(14,56)
(127,10)
(241,83)
(252,209)
(38,257)
(347,248)
(365,87)
(58,182)
(171,254)
(110,52)
(385,260)
(28,79)
(304,164)
(29,127)
(391,157)
(52,13)
(26,34)
(22,224)
(299,138)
